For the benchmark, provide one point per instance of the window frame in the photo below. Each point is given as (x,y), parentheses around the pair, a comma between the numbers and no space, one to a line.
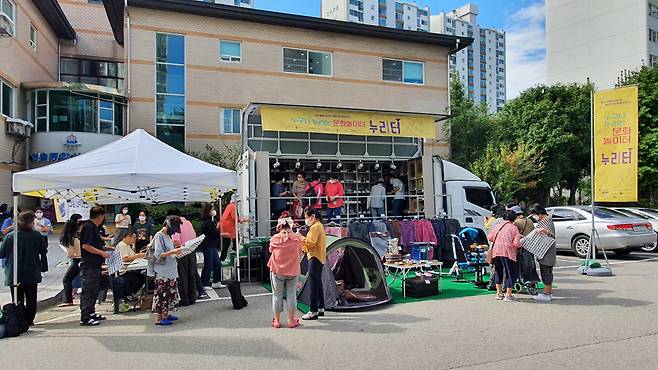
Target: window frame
(221,57)
(34,32)
(222,129)
(157,94)
(308,52)
(402,62)
(12,17)
(12,103)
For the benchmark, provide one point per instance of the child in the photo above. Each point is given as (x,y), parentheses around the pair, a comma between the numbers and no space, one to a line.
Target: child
(284,263)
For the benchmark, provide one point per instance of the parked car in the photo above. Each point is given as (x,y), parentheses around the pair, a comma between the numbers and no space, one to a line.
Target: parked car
(648,214)
(616,231)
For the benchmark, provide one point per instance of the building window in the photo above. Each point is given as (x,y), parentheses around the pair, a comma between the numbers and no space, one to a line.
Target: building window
(653,60)
(170,89)
(230,51)
(63,110)
(90,71)
(403,71)
(653,35)
(33,37)
(6,99)
(653,10)
(231,121)
(306,61)
(7,8)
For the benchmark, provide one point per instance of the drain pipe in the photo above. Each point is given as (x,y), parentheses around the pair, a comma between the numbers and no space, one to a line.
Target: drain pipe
(127,41)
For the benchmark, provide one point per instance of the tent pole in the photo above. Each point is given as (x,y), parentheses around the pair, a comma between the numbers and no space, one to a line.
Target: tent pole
(15,252)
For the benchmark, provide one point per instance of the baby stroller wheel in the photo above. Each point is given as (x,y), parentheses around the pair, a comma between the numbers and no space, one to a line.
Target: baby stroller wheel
(518,287)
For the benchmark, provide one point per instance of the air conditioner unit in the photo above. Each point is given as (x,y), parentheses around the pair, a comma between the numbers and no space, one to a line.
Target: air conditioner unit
(6,25)
(19,128)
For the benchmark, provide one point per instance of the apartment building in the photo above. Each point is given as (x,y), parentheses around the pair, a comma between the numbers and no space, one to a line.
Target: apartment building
(613,36)
(388,13)
(62,76)
(481,66)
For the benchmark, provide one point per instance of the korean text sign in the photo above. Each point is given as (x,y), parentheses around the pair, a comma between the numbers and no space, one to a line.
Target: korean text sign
(347,122)
(616,144)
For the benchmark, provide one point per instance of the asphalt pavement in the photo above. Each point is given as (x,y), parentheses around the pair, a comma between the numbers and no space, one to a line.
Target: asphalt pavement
(594,323)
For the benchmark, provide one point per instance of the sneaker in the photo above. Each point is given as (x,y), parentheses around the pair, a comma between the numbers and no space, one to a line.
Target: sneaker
(508,299)
(310,316)
(499,297)
(208,288)
(321,312)
(172,318)
(203,296)
(541,297)
(218,285)
(98,317)
(90,322)
(124,307)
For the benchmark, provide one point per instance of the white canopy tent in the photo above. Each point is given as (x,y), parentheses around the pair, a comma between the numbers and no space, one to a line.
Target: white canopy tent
(137,168)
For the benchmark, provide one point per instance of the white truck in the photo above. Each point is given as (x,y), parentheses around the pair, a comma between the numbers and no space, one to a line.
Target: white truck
(460,194)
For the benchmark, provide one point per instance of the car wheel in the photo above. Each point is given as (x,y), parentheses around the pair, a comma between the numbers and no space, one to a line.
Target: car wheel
(579,245)
(622,252)
(650,248)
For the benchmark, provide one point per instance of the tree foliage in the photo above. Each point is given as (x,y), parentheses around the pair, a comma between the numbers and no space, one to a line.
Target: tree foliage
(512,173)
(227,158)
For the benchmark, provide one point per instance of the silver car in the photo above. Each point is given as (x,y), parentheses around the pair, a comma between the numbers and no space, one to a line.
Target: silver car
(616,231)
(651,215)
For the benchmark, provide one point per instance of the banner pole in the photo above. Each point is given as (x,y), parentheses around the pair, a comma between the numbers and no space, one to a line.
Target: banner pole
(592,240)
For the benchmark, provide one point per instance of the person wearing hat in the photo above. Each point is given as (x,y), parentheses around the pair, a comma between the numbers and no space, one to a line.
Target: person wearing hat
(377,199)
(165,296)
(284,264)
(524,225)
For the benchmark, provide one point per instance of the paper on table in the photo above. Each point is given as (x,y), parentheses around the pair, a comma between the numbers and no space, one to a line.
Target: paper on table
(114,263)
(190,246)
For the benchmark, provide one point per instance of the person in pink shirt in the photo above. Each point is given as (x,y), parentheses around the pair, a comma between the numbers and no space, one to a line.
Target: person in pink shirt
(284,264)
(189,281)
(505,241)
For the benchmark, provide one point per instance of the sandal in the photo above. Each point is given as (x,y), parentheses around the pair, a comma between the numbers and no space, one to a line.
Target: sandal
(61,305)
(276,324)
(164,322)
(293,323)
(499,297)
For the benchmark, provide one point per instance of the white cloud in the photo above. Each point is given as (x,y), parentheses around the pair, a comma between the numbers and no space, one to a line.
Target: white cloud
(526,48)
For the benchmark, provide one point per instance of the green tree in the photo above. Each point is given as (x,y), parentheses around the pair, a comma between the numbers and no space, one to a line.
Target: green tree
(647,79)
(553,121)
(227,158)
(469,127)
(512,173)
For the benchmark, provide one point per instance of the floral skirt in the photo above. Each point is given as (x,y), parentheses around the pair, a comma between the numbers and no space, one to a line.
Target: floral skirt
(165,297)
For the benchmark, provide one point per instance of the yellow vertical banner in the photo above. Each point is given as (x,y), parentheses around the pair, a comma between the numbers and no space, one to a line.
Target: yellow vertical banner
(616,145)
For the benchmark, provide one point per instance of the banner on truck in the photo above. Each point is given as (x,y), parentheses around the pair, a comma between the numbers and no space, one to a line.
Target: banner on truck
(616,144)
(347,122)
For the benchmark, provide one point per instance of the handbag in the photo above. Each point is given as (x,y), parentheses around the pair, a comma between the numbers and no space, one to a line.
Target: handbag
(150,254)
(493,244)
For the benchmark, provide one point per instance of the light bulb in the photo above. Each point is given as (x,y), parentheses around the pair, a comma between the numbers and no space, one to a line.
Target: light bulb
(360,166)
(318,165)
(376,166)
(298,164)
(339,165)
(276,164)
(393,166)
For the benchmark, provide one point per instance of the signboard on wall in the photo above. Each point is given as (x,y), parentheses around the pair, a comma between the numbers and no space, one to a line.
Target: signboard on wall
(616,145)
(347,122)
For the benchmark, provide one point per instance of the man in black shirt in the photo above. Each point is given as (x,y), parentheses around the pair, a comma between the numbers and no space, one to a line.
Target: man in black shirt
(93,256)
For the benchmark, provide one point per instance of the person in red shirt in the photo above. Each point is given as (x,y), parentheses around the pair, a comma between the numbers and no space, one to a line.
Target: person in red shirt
(314,201)
(228,227)
(335,197)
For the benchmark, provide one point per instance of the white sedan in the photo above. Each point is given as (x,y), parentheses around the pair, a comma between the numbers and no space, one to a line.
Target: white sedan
(616,231)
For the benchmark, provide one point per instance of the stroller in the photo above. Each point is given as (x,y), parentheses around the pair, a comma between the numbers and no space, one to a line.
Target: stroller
(469,248)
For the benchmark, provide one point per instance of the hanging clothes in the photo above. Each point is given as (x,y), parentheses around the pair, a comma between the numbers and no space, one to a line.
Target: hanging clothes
(396,230)
(425,231)
(441,250)
(407,233)
(377,227)
(359,230)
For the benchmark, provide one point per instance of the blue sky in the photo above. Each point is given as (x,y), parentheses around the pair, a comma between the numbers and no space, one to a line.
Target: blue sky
(523,20)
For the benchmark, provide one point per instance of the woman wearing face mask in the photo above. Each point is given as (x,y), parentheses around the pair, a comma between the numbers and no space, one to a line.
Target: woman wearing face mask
(44,227)
(143,225)
(165,296)
(315,246)
(71,240)
(210,248)
(122,222)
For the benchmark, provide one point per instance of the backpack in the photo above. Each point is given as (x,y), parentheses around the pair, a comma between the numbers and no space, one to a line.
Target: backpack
(14,318)
(310,195)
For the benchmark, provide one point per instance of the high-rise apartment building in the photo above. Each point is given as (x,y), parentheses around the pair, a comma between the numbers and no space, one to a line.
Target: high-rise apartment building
(481,66)
(388,13)
(598,42)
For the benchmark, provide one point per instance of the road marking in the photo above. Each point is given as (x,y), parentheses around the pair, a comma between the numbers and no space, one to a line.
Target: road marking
(57,319)
(611,263)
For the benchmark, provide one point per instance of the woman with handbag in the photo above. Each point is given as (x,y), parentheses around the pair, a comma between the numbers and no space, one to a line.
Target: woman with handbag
(506,240)
(545,226)
(164,264)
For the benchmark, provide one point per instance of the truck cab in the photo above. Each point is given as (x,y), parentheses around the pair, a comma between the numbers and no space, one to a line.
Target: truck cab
(460,194)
